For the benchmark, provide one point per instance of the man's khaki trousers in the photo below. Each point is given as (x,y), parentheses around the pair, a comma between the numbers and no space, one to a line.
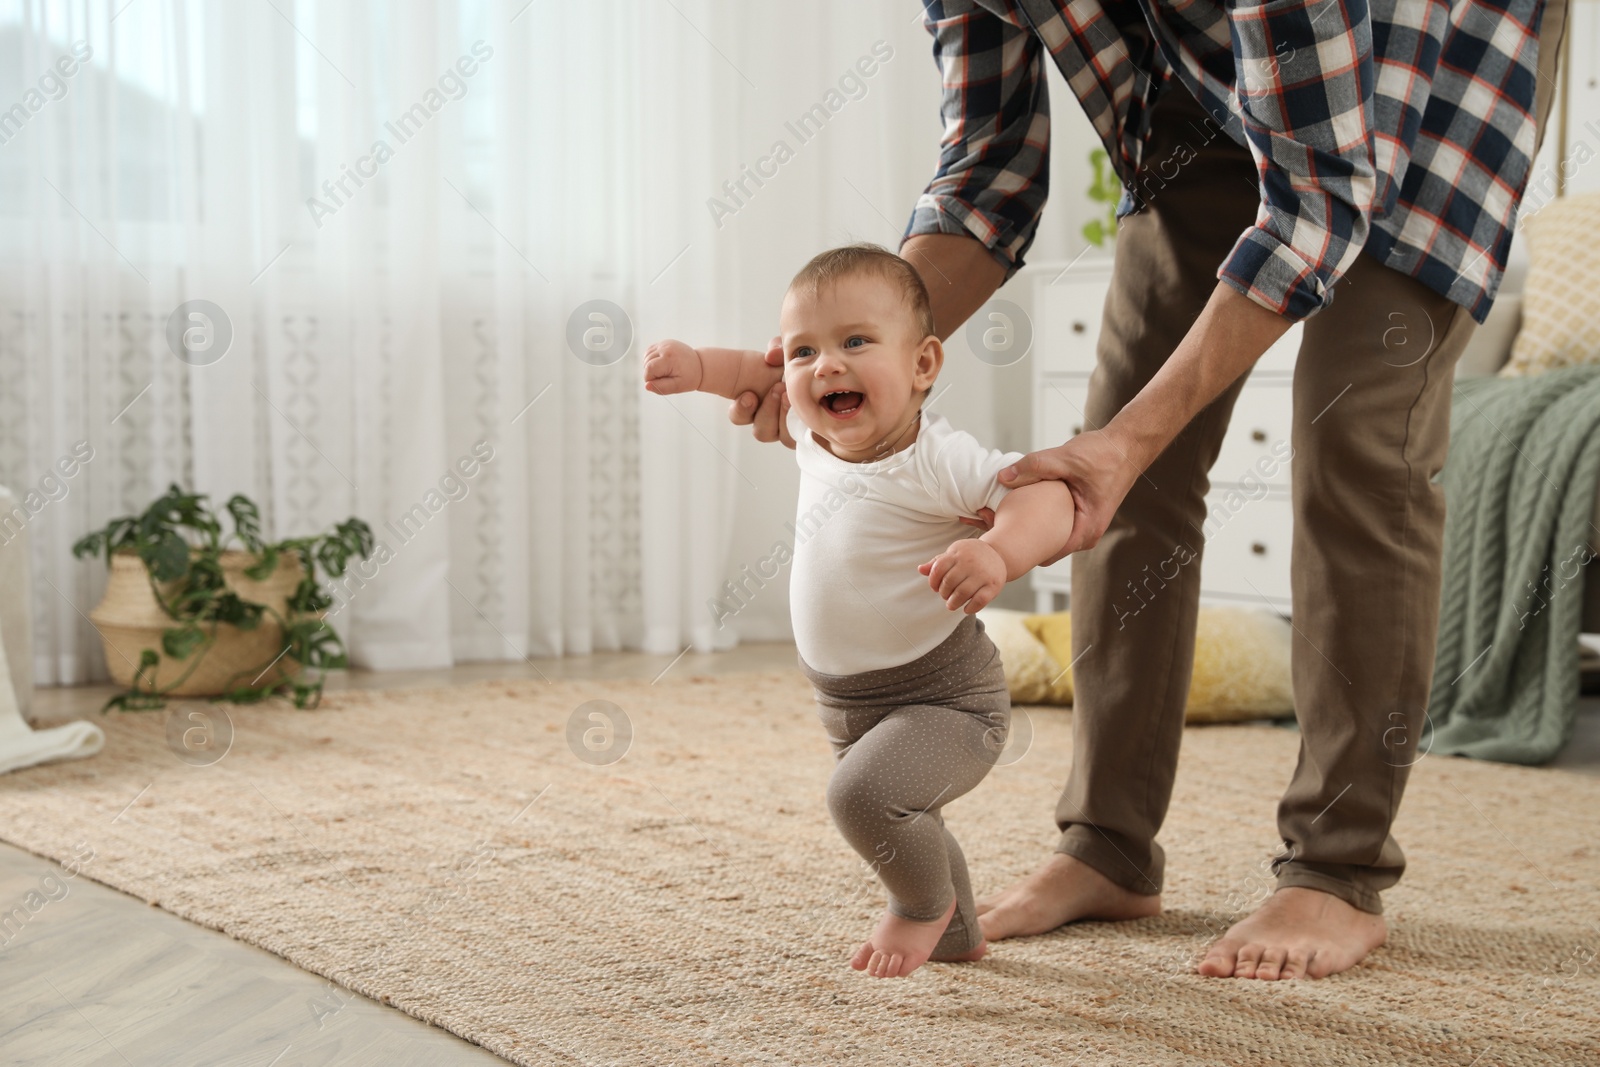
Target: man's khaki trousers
(1371,427)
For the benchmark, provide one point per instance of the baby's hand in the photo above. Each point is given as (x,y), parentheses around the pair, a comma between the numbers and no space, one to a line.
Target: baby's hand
(671,367)
(969,572)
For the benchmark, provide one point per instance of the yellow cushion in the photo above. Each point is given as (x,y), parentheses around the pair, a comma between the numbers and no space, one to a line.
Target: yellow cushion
(1241,662)
(1032,676)
(1561,299)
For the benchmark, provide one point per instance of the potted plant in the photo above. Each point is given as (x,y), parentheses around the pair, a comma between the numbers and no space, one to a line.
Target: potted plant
(1105,189)
(187,614)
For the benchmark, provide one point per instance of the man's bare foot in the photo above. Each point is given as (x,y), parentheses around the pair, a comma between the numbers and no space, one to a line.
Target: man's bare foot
(899,946)
(1296,933)
(1063,890)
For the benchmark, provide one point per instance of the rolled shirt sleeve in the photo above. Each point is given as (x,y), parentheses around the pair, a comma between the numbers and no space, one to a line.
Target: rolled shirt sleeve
(993,173)
(1304,92)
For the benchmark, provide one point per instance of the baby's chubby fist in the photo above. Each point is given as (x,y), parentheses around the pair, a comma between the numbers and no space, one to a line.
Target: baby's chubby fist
(969,573)
(671,367)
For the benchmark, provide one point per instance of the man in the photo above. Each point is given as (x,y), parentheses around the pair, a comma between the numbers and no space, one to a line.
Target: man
(1262,149)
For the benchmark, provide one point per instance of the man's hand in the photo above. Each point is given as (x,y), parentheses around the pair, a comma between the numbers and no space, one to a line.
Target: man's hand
(672,367)
(770,413)
(1097,469)
(969,572)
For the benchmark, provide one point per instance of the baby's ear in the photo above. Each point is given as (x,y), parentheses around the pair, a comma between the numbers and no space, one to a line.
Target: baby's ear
(929,362)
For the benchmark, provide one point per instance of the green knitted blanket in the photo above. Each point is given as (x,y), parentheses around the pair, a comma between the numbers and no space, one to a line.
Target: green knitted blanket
(1520,490)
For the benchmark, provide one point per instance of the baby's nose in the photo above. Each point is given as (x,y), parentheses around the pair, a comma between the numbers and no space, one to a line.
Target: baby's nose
(827,363)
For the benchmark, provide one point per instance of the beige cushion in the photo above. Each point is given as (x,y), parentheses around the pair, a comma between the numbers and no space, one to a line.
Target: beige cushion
(1032,675)
(1241,662)
(1561,301)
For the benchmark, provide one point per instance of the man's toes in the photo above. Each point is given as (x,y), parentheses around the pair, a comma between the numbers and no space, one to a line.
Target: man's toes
(1249,959)
(1321,965)
(1298,964)
(1271,964)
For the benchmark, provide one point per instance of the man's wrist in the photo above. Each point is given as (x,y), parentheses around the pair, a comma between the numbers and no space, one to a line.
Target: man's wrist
(1140,440)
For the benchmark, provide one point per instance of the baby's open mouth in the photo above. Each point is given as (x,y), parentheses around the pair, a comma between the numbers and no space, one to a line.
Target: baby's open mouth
(842,403)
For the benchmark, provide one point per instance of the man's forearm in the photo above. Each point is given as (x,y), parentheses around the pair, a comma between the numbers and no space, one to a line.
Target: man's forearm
(731,371)
(959,272)
(1231,334)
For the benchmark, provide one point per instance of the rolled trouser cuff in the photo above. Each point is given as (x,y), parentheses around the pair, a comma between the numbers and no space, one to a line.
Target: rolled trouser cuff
(1346,886)
(1118,861)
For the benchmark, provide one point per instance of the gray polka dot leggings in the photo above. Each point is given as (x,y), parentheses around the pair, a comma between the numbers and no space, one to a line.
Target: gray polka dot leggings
(907,741)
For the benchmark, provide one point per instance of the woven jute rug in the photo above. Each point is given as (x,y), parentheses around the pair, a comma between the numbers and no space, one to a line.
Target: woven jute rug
(477,857)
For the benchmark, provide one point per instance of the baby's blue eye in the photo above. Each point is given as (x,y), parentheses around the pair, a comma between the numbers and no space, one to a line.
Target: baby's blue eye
(851,343)
(803,352)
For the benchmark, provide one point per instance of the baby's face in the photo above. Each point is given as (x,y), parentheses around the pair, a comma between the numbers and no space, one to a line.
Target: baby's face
(854,360)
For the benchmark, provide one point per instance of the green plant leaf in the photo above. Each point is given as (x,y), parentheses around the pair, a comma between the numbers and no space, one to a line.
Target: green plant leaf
(246,521)
(307,695)
(264,566)
(180,641)
(133,702)
(309,598)
(231,609)
(167,556)
(1094,232)
(89,544)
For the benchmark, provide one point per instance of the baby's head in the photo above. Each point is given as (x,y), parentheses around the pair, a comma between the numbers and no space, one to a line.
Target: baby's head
(859,349)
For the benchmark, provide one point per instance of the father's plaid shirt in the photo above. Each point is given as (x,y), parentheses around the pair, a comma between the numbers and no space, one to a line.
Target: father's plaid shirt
(1409,131)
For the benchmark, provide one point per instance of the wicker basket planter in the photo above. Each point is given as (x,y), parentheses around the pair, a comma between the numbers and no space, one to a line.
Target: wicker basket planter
(130,621)
(211,628)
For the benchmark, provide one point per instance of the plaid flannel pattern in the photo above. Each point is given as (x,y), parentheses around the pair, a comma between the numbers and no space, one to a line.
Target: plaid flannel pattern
(1407,129)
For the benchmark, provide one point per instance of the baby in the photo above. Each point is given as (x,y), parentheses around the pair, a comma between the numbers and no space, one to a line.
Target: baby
(911,693)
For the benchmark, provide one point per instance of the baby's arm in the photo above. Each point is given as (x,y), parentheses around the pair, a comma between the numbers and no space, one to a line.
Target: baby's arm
(1029,528)
(674,367)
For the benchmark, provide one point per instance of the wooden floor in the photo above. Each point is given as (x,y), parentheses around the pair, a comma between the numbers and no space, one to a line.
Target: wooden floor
(100,979)
(97,978)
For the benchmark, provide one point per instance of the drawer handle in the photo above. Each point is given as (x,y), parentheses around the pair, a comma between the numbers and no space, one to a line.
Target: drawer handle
(1078,327)
(1258,436)
(1258,548)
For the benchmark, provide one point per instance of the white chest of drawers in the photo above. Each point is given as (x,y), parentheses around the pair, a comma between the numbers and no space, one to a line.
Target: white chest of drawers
(1247,526)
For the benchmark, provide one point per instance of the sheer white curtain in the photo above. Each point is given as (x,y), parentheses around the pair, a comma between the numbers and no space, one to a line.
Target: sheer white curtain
(395,314)
(402,209)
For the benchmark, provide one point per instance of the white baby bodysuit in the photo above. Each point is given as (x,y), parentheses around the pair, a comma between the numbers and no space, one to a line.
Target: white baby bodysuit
(861,530)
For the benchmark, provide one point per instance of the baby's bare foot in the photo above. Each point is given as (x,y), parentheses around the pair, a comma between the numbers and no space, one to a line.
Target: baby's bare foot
(899,946)
(1296,933)
(1063,890)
